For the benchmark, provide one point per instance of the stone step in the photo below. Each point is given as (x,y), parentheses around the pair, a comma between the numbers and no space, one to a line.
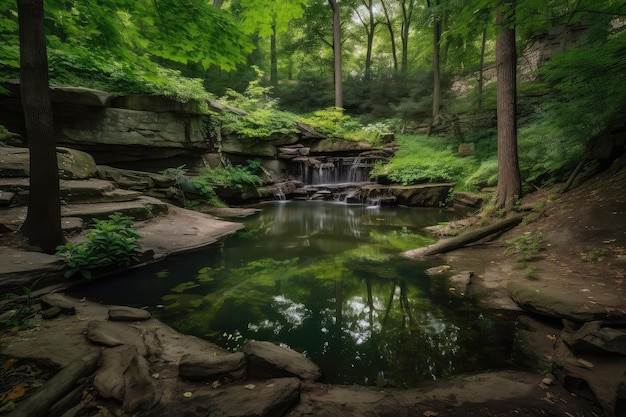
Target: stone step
(71,191)
(95,191)
(142,208)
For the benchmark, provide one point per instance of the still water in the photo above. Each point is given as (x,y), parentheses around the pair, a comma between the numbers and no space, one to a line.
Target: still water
(325,279)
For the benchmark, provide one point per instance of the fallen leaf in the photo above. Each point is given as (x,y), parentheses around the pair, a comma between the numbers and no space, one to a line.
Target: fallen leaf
(17,392)
(250,386)
(187,394)
(430,413)
(9,364)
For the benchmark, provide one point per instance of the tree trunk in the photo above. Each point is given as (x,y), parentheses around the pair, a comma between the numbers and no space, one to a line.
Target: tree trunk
(337,50)
(509,181)
(42,226)
(392,36)
(481,69)
(436,72)
(446,245)
(273,58)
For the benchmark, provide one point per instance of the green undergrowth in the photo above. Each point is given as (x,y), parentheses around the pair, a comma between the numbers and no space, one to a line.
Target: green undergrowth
(422,159)
(110,242)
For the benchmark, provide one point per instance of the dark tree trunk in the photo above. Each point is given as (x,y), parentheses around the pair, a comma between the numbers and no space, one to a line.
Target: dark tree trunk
(337,53)
(509,181)
(43,220)
(392,37)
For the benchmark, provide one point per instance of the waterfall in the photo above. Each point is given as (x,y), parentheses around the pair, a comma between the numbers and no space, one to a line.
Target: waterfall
(332,170)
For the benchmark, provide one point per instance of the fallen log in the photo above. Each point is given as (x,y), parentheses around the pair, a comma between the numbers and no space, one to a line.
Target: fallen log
(38,404)
(446,245)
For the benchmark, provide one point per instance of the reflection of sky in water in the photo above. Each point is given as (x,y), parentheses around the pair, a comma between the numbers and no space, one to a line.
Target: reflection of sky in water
(312,277)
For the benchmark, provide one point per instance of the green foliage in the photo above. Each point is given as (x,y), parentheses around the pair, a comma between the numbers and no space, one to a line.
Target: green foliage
(593,255)
(335,123)
(527,246)
(227,177)
(262,118)
(425,159)
(22,316)
(109,242)
(583,84)
(130,46)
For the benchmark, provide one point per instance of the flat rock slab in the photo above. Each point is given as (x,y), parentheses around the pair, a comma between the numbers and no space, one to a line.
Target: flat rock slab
(182,230)
(211,366)
(267,360)
(66,304)
(124,313)
(140,209)
(113,334)
(267,398)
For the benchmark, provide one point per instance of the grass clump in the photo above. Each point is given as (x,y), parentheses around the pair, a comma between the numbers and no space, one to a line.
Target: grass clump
(526,246)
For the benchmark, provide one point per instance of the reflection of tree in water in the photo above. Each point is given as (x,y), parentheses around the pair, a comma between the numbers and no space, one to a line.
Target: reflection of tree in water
(363,315)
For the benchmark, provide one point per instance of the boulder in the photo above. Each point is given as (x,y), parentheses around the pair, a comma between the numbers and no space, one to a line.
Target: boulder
(14,162)
(80,96)
(75,164)
(113,334)
(461,281)
(6,197)
(109,378)
(58,300)
(267,360)
(422,195)
(139,390)
(466,200)
(213,366)
(124,313)
(134,180)
(594,338)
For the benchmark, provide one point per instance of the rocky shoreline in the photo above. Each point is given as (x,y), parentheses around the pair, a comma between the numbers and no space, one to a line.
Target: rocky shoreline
(571,331)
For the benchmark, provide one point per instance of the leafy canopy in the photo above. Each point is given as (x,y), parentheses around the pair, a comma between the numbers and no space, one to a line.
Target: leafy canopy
(128,40)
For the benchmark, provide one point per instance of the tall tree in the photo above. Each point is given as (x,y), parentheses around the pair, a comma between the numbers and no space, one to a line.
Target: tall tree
(392,36)
(42,226)
(407,8)
(436,63)
(509,180)
(337,53)
(364,11)
(268,18)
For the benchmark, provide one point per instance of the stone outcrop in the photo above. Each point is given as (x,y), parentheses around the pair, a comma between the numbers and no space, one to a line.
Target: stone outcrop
(267,360)
(115,128)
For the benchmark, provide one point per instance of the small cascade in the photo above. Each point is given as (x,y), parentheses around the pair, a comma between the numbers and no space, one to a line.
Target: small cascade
(279,194)
(338,178)
(332,170)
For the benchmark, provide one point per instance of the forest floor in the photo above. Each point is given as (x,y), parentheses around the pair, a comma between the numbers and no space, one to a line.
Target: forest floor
(579,266)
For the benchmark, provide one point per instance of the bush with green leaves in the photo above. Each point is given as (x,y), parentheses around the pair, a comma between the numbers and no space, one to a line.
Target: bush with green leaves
(334,122)
(423,159)
(228,177)
(262,118)
(109,242)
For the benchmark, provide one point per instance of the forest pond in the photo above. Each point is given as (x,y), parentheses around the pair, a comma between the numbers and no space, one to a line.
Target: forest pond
(325,279)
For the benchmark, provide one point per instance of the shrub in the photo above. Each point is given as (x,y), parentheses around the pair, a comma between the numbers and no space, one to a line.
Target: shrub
(229,177)
(110,242)
(425,159)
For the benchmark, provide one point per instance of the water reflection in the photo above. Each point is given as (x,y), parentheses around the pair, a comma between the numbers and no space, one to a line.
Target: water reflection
(326,280)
